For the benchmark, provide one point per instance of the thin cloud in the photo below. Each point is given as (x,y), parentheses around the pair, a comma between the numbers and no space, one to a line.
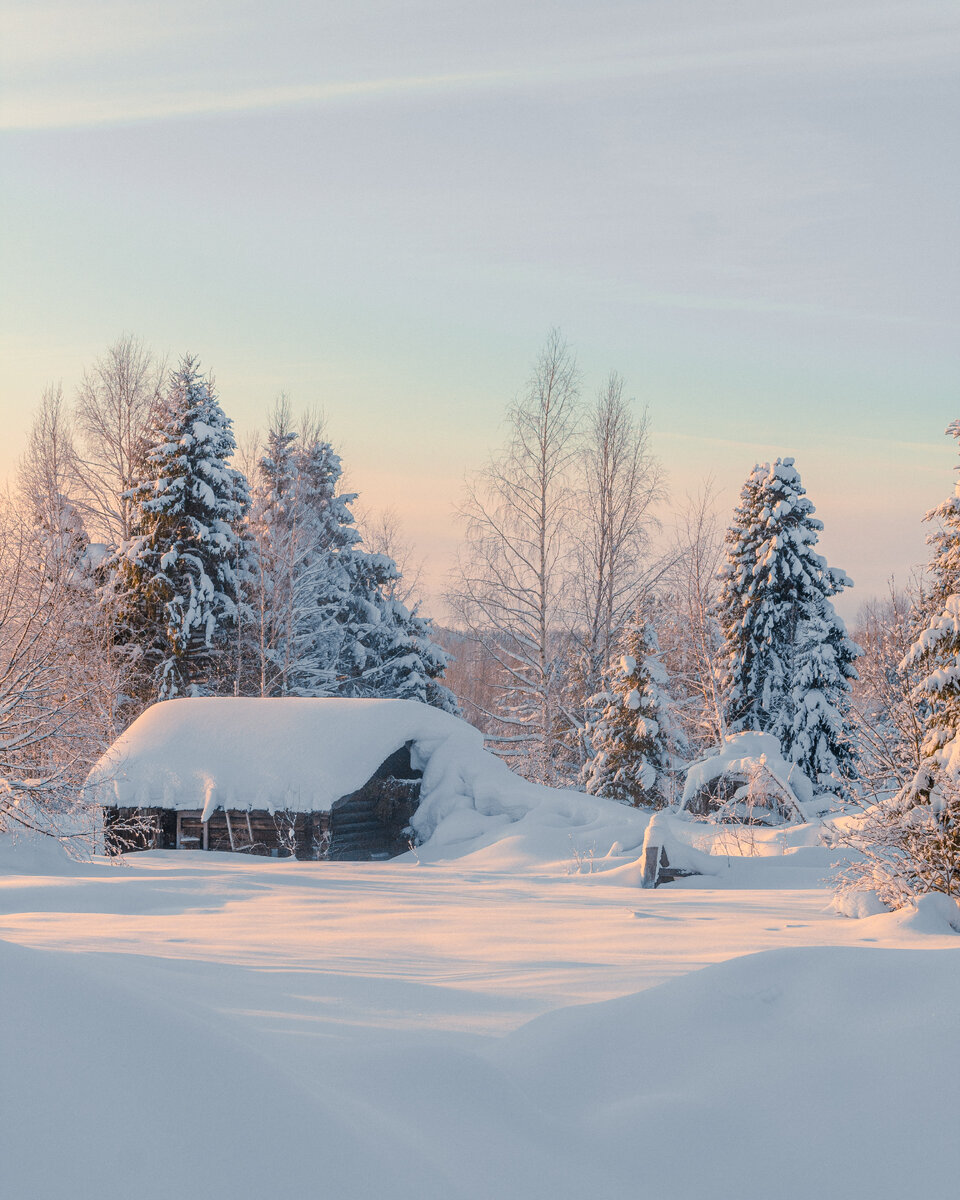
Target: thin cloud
(753,304)
(841,46)
(60,113)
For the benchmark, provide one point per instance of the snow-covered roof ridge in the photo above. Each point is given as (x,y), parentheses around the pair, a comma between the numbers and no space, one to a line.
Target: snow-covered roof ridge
(293,754)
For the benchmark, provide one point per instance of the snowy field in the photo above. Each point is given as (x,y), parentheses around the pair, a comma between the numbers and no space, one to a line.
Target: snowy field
(492,1025)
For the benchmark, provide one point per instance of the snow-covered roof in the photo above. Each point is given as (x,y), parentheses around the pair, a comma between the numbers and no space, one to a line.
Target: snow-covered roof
(290,754)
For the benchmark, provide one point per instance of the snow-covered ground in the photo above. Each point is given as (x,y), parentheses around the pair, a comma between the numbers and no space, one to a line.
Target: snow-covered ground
(489,1021)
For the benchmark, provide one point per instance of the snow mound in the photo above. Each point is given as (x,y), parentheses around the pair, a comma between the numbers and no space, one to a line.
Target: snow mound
(471,803)
(859,904)
(712,855)
(789,1074)
(933,913)
(30,852)
(747,775)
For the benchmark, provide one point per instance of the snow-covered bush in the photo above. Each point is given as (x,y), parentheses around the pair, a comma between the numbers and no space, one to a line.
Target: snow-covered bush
(907,845)
(747,779)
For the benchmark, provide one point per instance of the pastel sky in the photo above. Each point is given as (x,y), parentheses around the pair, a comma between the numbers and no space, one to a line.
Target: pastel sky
(748,209)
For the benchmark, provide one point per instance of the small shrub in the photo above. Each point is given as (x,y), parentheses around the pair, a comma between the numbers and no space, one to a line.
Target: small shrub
(907,846)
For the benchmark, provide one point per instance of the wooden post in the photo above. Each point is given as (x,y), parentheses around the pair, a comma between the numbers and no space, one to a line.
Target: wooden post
(651,865)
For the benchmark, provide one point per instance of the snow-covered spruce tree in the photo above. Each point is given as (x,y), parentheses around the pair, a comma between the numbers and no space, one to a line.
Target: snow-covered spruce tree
(936,652)
(634,741)
(301,528)
(373,644)
(273,532)
(387,650)
(910,844)
(329,620)
(178,578)
(788,659)
(820,739)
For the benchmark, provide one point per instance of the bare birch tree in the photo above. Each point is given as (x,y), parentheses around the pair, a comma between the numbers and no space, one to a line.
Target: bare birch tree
(383,533)
(514,560)
(689,634)
(47,472)
(115,403)
(473,677)
(56,700)
(888,718)
(622,484)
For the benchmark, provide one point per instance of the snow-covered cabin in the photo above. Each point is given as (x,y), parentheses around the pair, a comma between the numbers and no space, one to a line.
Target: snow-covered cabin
(317,778)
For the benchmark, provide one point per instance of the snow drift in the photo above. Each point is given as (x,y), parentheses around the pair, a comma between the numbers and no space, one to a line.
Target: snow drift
(788,1074)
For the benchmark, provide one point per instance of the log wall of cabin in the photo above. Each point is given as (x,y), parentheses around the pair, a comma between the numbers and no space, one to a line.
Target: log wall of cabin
(371,822)
(255,832)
